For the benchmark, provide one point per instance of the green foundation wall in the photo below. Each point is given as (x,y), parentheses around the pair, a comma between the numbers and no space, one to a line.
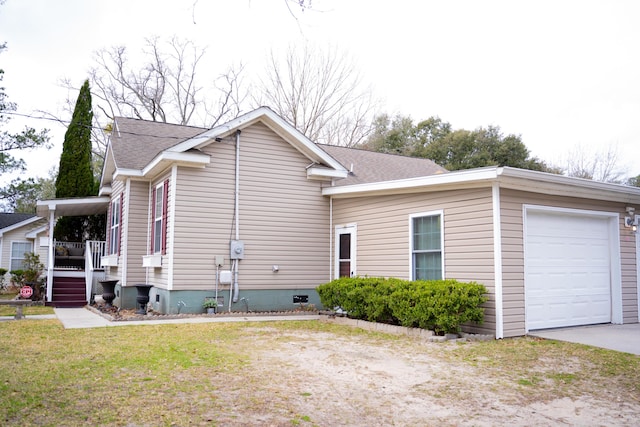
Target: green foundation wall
(179,302)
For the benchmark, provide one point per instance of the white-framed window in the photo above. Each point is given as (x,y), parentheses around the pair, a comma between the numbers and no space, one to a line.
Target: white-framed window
(115,224)
(427,260)
(18,249)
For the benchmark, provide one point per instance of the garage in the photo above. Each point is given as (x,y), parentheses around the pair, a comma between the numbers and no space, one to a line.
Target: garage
(569,256)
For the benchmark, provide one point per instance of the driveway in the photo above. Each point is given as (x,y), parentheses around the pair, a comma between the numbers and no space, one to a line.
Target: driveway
(625,338)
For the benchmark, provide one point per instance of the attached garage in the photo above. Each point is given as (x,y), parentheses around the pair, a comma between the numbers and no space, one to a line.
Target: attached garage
(572,263)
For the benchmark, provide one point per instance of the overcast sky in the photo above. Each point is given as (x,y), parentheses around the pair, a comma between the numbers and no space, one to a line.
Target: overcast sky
(562,74)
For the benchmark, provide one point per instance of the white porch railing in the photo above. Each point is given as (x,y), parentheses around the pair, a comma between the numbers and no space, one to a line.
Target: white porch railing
(93,252)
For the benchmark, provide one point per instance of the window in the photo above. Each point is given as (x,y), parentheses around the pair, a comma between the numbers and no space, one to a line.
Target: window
(114,229)
(159,219)
(426,246)
(18,249)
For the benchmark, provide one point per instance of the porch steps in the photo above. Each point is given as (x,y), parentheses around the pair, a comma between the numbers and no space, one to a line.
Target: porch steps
(68,292)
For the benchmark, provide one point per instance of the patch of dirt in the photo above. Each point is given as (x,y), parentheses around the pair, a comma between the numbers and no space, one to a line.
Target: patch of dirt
(325,379)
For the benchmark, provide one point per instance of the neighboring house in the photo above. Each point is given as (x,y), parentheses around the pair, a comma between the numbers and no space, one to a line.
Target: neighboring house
(21,233)
(260,210)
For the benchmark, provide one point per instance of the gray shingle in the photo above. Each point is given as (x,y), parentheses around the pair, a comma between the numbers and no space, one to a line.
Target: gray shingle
(8,219)
(370,166)
(136,142)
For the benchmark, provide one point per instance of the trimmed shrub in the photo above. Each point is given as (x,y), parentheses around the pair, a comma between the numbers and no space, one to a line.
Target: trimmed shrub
(438,305)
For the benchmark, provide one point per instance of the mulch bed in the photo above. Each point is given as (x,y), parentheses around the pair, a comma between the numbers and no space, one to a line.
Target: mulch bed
(116,314)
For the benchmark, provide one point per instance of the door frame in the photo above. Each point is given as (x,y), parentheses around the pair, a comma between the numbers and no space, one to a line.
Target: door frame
(346,229)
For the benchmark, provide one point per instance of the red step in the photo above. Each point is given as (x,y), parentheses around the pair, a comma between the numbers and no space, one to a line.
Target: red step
(68,292)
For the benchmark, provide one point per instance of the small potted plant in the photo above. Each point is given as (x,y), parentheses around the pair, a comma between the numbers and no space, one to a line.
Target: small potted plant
(210,304)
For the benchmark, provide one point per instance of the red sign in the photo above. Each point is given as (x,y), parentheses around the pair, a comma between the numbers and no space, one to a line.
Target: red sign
(26,292)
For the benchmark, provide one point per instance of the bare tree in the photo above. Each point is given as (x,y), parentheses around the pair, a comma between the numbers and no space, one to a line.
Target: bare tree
(320,93)
(164,87)
(602,165)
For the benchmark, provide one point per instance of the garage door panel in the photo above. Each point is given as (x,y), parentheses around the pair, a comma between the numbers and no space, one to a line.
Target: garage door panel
(568,271)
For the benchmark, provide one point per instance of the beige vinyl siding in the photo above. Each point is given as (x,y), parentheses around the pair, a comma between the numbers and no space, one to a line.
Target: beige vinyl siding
(383,235)
(512,202)
(116,272)
(283,219)
(159,277)
(136,225)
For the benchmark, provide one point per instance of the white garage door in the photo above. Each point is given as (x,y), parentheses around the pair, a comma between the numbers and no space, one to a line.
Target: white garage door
(567,270)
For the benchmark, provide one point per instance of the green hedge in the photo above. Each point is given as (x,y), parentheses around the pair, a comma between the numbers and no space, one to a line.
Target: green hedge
(438,305)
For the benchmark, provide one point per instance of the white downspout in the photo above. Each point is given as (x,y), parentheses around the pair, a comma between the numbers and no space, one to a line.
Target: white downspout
(497,260)
(236,216)
(331,249)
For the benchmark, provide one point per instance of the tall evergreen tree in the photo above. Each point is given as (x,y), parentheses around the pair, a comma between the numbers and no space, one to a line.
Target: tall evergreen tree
(75,175)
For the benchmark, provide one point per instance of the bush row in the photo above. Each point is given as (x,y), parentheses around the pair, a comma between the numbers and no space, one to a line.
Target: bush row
(438,305)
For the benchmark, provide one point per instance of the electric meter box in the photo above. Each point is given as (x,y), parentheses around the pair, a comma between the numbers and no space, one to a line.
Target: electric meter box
(237,249)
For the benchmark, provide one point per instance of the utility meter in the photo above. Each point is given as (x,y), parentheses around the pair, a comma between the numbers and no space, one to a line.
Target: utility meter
(237,249)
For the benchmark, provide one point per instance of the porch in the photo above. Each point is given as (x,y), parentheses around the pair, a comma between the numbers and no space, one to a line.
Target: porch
(77,269)
(73,268)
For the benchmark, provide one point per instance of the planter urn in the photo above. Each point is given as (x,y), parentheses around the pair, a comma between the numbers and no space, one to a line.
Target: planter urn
(108,292)
(143,298)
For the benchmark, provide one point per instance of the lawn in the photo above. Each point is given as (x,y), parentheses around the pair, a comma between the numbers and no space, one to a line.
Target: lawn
(301,373)
(11,311)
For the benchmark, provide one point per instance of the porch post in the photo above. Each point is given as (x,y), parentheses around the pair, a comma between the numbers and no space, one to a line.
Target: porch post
(51,254)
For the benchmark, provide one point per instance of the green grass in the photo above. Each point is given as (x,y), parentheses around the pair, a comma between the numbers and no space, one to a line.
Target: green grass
(11,311)
(202,374)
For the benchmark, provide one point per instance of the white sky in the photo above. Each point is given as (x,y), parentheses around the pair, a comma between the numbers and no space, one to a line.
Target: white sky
(562,74)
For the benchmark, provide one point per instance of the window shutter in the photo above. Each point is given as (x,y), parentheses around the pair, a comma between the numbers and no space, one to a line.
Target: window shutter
(165,206)
(153,219)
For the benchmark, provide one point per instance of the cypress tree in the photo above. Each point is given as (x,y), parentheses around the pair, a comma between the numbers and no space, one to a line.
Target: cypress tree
(75,175)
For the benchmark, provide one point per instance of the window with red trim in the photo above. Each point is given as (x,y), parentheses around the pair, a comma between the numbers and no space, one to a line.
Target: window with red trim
(114,226)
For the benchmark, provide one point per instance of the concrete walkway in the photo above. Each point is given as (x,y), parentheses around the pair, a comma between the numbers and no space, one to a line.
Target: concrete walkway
(625,338)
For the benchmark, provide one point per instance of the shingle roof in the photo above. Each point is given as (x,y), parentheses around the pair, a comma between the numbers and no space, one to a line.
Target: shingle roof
(9,219)
(370,166)
(135,143)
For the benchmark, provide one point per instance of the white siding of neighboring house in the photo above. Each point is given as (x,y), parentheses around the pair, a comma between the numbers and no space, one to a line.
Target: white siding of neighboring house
(383,237)
(283,219)
(19,235)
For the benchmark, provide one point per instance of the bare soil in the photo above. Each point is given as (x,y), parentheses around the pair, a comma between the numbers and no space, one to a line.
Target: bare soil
(328,379)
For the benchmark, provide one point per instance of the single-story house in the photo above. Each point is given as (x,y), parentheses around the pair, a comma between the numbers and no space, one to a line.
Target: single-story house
(255,213)
(21,233)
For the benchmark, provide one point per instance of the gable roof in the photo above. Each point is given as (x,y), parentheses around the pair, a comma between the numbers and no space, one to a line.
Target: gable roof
(370,166)
(13,221)
(141,148)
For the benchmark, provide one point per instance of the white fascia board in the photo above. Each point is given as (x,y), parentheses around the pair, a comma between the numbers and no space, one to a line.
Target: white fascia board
(77,206)
(20,224)
(319,172)
(34,233)
(414,184)
(105,190)
(184,159)
(122,173)
(546,183)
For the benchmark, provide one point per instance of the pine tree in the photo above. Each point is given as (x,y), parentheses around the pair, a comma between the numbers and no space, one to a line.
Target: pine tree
(75,176)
